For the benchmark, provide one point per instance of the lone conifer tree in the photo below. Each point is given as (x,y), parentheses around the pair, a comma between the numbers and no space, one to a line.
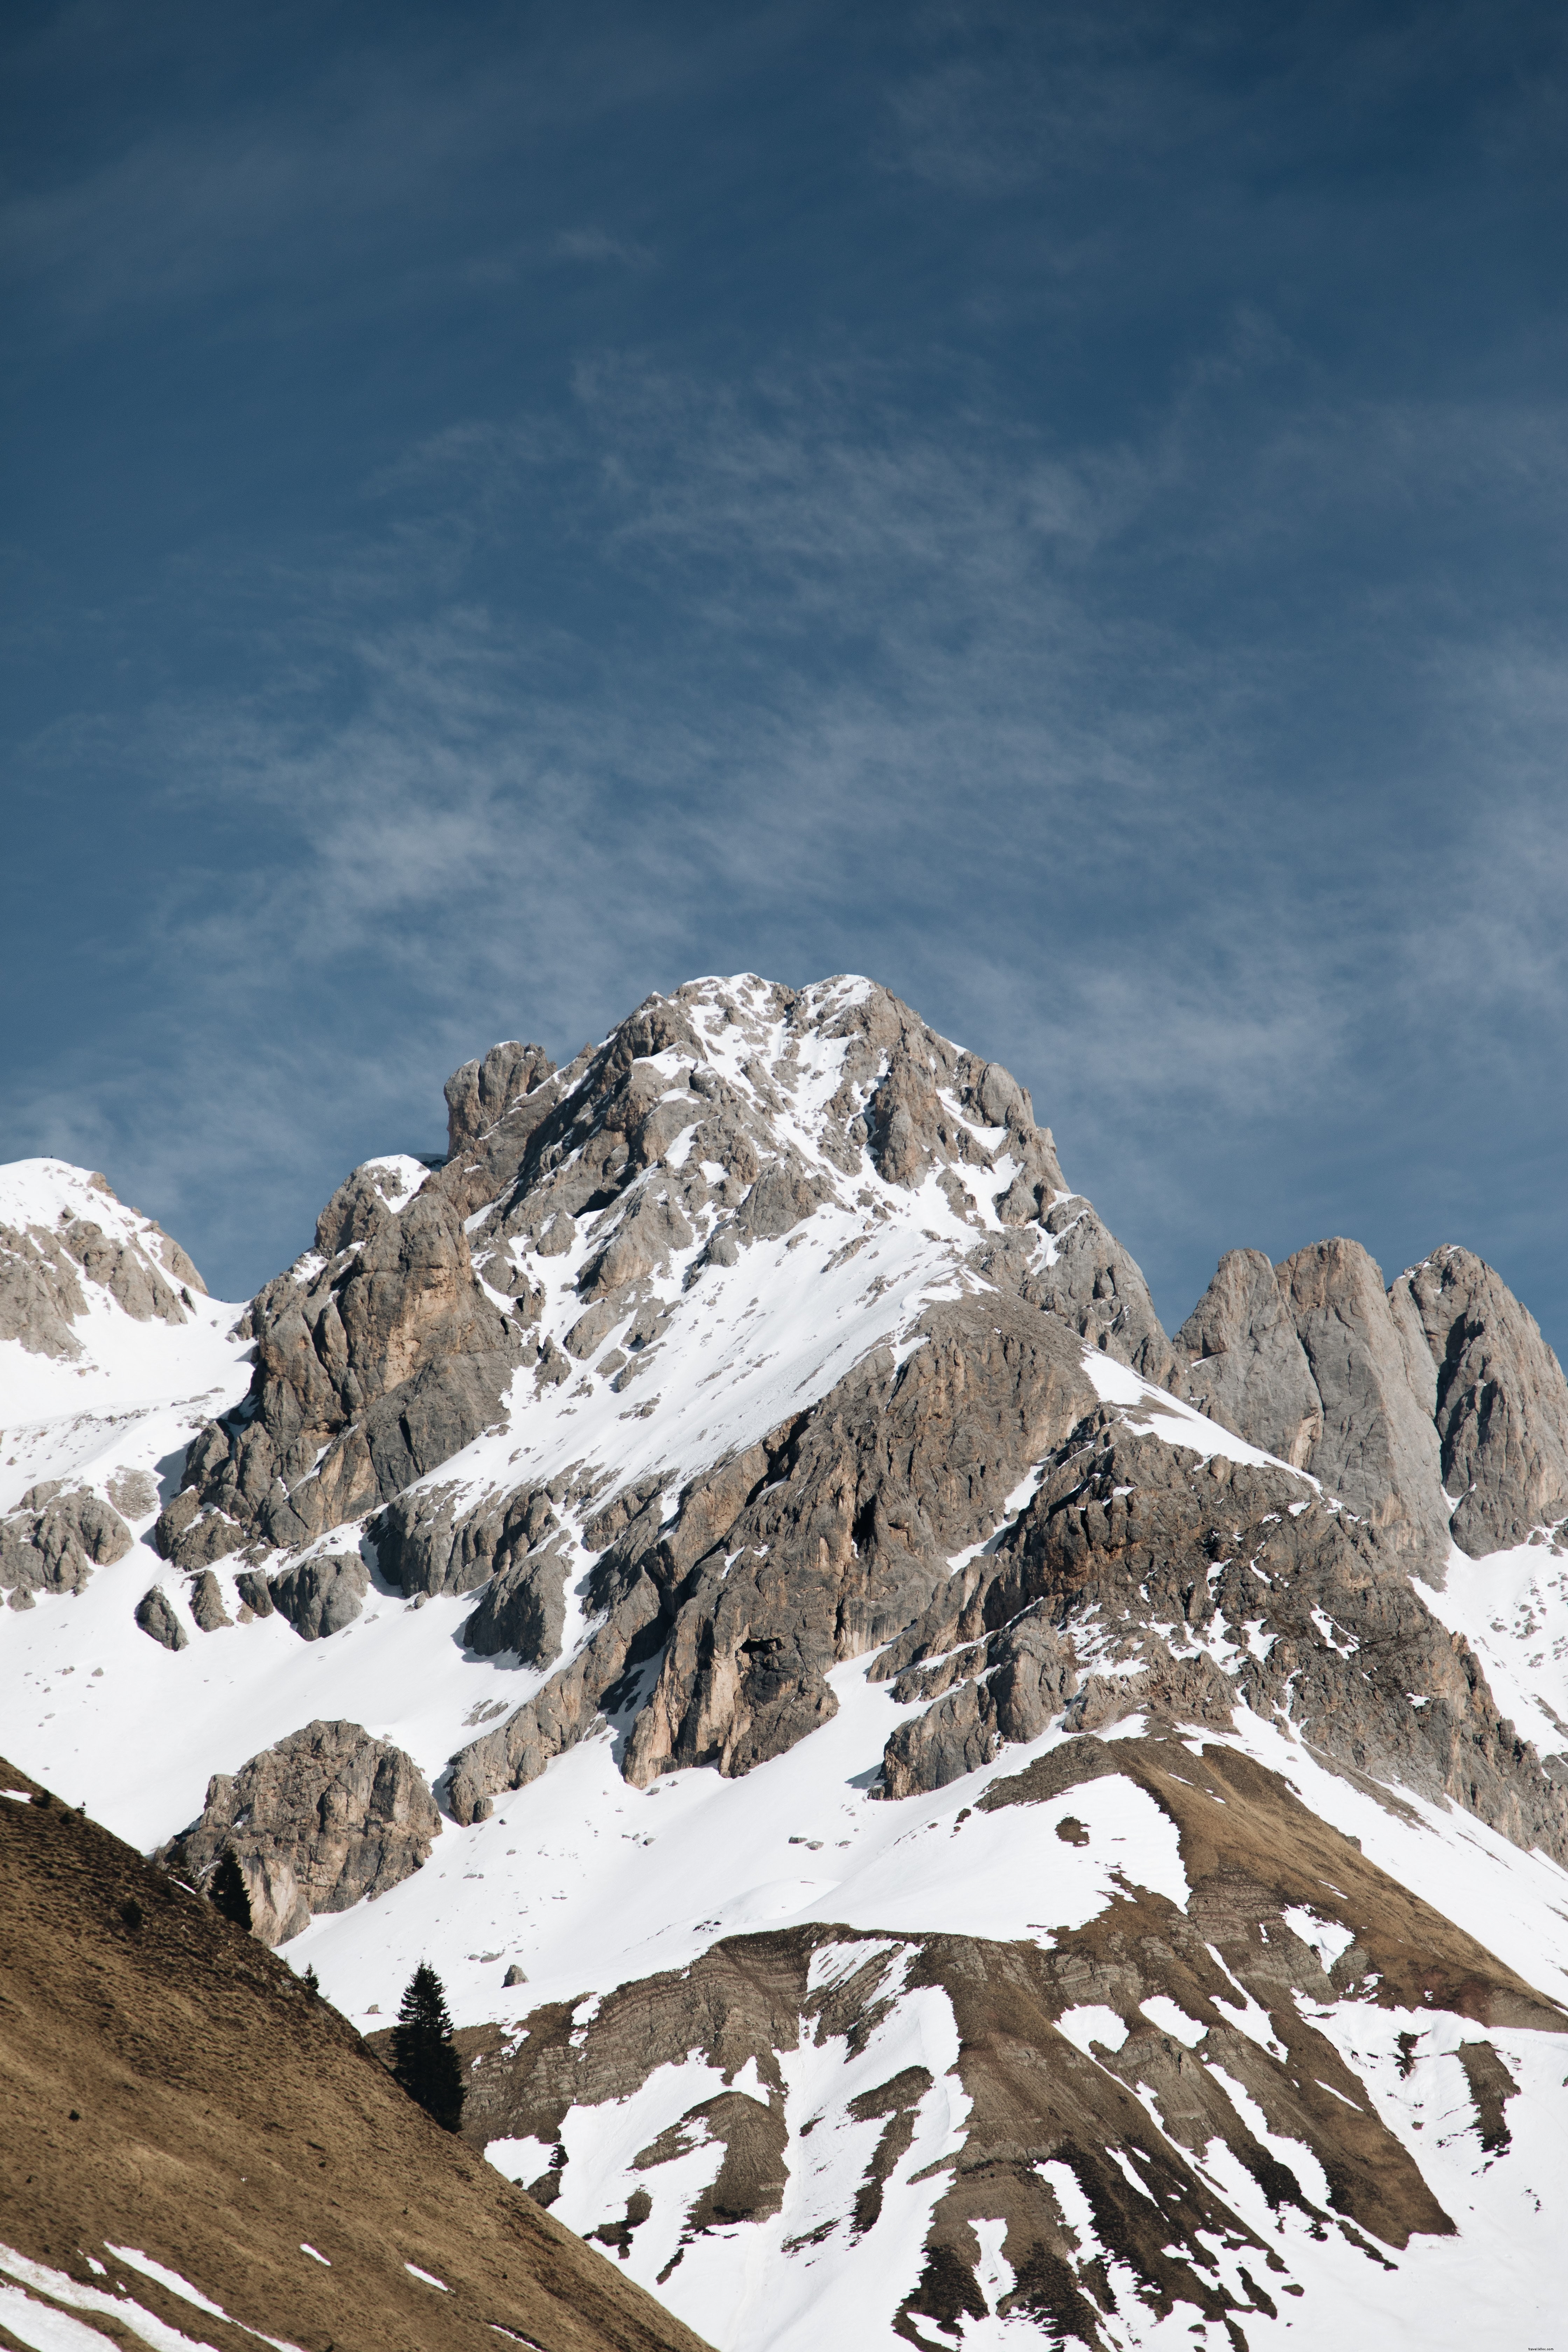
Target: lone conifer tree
(423,2060)
(229,1891)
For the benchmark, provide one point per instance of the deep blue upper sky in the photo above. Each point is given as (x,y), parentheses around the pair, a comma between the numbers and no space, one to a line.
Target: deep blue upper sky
(1059,508)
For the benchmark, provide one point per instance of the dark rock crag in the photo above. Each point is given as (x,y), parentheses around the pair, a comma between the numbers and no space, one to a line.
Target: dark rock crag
(1500,1402)
(321,1821)
(54,1539)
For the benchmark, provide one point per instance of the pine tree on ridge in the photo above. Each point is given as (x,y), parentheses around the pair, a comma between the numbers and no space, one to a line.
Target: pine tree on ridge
(424,2061)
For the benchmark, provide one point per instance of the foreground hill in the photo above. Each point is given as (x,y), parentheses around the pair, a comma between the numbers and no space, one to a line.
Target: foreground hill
(193,2146)
(946,1814)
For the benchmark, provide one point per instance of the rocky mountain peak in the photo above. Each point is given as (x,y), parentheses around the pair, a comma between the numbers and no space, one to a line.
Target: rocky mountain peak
(732,1562)
(1499,1400)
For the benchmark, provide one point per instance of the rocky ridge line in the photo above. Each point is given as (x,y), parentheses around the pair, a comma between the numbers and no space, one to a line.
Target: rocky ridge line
(708,1631)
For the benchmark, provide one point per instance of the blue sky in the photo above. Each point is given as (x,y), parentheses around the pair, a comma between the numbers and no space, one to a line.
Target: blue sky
(1061,509)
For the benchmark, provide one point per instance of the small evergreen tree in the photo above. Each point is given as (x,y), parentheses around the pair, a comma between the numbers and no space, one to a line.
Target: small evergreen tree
(228,1892)
(423,2060)
(313,1984)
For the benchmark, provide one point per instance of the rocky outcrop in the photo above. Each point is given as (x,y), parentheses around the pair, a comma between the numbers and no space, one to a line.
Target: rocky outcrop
(40,1292)
(1308,1361)
(1196,1584)
(425,1543)
(206,1602)
(1378,1451)
(322,1594)
(1501,1404)
(1097,1288)
(815,1544)
(1243,1363)
(155,1614)
(1006,1688)
(373,1366)
(57,1537)
(44,1266)
(327,1818)
(523,1610)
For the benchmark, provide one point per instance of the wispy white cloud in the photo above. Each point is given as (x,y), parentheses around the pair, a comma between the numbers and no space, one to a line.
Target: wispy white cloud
(888,724)
(1199,759)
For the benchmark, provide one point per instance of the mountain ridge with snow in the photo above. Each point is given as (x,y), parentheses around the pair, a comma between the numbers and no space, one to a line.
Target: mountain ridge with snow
(747,1426)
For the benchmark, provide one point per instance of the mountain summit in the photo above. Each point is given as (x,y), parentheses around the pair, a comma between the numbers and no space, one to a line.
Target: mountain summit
(943,1811)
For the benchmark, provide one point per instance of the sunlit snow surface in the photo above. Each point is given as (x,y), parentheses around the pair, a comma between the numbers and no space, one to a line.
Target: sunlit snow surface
(138,1392)
(1512,1609)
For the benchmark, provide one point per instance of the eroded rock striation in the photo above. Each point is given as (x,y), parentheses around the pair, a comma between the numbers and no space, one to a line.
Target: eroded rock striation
(1186,1585)
(1501,1402)
(325,1819)
(377,1359)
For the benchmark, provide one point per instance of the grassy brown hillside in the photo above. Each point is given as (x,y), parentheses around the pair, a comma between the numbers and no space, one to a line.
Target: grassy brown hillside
(168,2088)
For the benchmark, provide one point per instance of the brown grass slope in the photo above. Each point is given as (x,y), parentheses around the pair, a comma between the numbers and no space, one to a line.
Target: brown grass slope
(170,2086)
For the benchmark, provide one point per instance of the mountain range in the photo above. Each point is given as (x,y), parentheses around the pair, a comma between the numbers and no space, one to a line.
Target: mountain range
(946,1813)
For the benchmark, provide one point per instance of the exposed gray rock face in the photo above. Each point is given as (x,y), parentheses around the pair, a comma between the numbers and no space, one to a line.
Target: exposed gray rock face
(590,1331)
(1095,1287)
(652,1228)
(383,1361)
(206,1602)
(811,1548)
(715,1629)
(155,1617)
(1501,1403)
(482,1094)
(55,1538)
(1241,1360)
(1379,1449)
(324,1820)
(1309,1360)
(1007,1687)
(322,1594)
(523,1609)
(40,1294)
(191,1537)
(42,1270)
(425,1544)
(382,1364)
(1161,1557)
(782,1195)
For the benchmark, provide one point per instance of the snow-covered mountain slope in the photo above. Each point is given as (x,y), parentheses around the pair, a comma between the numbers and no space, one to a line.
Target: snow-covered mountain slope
(755,1497)
(198,2155)
(111,1351)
